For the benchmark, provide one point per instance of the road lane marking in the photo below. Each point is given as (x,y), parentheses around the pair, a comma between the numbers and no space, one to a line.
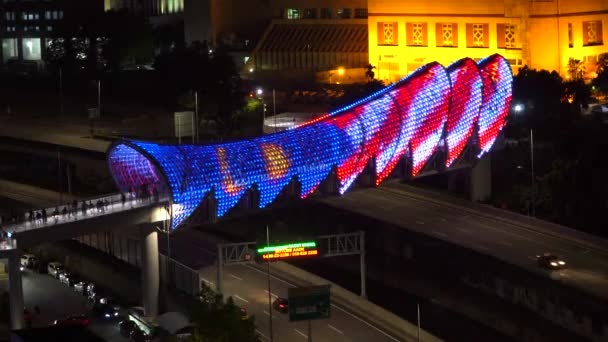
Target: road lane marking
(301,333)
(335,329)
(333,305)
(266,313)
(241,298)
(419,222)
(262,335)
(235,277)
(271,294)
(463,230)
(443,219)
(443,235)
(209,283)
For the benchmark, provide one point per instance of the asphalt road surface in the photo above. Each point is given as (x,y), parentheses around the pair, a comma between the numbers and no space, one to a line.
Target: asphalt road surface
(58,301)
(587,268)
(248,287)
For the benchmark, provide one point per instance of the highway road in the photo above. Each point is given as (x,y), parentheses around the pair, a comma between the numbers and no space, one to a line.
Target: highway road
(516,244)
(248,287)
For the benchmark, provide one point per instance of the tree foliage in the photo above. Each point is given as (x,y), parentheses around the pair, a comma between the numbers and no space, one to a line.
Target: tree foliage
(214,76)
(220,321)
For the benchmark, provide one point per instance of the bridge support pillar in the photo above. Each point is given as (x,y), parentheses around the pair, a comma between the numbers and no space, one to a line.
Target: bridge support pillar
(15,289)
(481,179)
(149,270)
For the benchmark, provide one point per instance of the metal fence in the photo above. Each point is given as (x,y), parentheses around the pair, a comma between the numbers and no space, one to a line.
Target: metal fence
(181,276)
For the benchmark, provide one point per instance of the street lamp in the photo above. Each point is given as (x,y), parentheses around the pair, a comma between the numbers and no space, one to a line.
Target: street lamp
(520,108)
(259,92)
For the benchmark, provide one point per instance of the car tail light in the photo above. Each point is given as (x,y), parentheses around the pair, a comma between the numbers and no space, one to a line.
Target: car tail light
(281,305)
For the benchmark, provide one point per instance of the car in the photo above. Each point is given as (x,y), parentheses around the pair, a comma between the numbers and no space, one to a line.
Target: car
(106,311)
(54,269)
(550,261)
(29,261)
(81,287)
(281,304)
(126,326)
(110,301)
(137,335)
(76,320)
(68,278)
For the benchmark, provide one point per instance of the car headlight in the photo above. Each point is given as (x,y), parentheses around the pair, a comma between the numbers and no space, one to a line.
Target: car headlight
(553,263)
(107,315)
(115,314)
(561,262)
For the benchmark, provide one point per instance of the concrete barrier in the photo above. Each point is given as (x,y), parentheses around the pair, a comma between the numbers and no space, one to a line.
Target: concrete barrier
(383,319)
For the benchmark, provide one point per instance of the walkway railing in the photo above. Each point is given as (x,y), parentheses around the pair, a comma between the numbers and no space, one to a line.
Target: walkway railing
(94,207)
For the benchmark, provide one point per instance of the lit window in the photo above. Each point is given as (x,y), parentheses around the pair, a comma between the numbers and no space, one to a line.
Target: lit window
(49,28)
(388,33)
(31,49)
(592,33)
(10,16)
(478,35)
(9,49)
(294,13)
(47,15)
(447,34)
(417,34)
(510,36)
(570,36)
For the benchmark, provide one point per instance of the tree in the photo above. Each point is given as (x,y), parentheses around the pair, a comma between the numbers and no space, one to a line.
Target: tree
(369,72)
(576,69)
(221,321)
(602,63)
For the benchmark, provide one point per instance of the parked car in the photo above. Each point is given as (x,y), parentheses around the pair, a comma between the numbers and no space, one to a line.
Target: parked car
(126,326)
(77,320)
(110,301)
(68,278)
(54,269)
(550,261)
(81,287)
(29,261)
(137,335)
(106,311)
(281,304)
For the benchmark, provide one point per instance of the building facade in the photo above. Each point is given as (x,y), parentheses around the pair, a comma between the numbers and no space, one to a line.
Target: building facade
(543,34)
(27,25)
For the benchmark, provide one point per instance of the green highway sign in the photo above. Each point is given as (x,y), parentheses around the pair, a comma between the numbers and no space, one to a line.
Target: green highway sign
(307,303)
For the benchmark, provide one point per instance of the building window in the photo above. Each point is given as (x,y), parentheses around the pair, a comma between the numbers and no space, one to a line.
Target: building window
(344,13)
(446,34)
(9,16)
(49,28)
(31,49)
(326,13)
(592,33)
(27,16)
(310,13)
(10,29)
(387,34)
(570,36)
(477,35)
(416,34)
(294,13)
(9,49)
(360,13)
(506,36)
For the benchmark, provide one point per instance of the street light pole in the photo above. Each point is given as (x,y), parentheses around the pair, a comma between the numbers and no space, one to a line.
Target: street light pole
(269,293)
(532,178)
(61,90)
(274,106)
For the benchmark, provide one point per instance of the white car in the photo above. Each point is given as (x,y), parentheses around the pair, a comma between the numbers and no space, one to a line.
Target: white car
(28,260)
(54,269)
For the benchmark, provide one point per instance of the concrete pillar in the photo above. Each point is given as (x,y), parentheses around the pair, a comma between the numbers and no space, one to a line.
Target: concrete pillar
(481,179)
(15,290)
(149,270)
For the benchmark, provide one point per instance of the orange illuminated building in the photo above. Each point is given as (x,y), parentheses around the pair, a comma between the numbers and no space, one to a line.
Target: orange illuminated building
(405,34)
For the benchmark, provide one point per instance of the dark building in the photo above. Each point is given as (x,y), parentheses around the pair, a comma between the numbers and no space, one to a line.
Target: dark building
(27,25)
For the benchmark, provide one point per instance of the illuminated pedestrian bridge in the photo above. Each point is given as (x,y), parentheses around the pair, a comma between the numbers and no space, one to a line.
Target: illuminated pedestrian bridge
(435,108)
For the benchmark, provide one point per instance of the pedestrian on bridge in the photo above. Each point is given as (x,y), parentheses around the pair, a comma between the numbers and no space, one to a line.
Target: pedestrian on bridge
(64,211)
(38,217)
(31,216)
(106,204)
(56,214)
(44,215)
(84,208)
(123,198)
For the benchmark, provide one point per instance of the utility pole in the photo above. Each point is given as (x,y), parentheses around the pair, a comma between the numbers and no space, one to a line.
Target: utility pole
(269,293)
(196,115)
(99,100)
(61,90)
(532,178)
(274,106)
(418,311)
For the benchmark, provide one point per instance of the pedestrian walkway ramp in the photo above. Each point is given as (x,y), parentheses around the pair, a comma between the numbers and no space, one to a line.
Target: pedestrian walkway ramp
(114,214)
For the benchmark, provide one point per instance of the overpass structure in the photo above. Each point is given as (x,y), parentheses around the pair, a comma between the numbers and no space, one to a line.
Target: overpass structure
(436,114)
